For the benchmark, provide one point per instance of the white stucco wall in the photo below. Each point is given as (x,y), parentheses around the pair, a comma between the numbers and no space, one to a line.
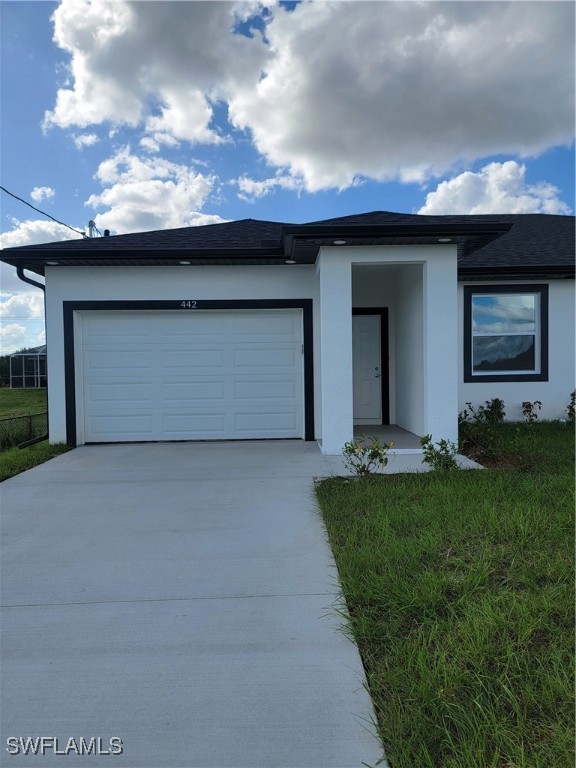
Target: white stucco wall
(409,342)
(335,276)
(441,322)
(419,288)
(554,393)
(423,282)
(161,283)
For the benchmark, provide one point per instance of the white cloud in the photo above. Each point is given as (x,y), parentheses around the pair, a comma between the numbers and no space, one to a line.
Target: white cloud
(167,139)
(149,144)
(161,63)
(189,123)
(405,90)
(17,336)
(85,140)
(333,91)
(12,338)
(21,306)
(10,282)
(42,193)
(87,30)
(28,305)
(150,193)
(153,143)
(251,189)
(35,231)
(496,188)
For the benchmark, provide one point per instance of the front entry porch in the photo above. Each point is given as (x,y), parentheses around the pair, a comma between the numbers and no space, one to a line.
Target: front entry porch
(404,441)
(388,345)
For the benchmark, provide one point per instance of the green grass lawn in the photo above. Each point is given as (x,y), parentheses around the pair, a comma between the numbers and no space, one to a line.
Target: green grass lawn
(18,402)
(459,588)
(16,460)
(22,402)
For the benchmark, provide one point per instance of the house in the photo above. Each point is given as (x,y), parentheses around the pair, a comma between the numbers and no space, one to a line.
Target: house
(257,329)
(28,368)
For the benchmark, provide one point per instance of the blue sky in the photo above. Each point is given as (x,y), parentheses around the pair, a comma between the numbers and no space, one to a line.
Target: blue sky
(150,115)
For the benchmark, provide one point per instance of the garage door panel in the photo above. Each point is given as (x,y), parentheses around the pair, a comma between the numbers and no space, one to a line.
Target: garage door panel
(124,392)
(178,426)
(137,426)
(127,327)
(191,392)
(195,376)
(276,325)
(206,324)
(273,389)
(192,359)
(265,357)
(259,422)
(117,359)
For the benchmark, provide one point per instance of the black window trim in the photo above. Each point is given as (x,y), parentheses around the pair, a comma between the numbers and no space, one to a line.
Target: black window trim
(469,291)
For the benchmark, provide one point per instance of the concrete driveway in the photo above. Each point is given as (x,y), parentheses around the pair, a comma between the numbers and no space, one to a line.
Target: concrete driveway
(180,598)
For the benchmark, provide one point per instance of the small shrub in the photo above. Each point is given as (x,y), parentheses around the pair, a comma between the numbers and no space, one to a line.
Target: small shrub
(442,457)
(493,411)
(479,433)
(530,410)
(571,408)
(364,455)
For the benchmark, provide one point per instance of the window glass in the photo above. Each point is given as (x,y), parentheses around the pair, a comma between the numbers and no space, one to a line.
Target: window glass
(503,353)
(504,314)
(504,333)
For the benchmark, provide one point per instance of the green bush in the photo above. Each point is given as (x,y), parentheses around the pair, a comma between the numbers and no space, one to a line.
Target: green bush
(365,455)
(442,457)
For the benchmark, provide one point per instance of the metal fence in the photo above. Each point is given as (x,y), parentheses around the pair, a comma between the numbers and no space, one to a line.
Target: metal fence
(17,429)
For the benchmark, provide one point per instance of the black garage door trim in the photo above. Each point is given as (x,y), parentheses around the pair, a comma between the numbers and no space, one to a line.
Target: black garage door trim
(69,307)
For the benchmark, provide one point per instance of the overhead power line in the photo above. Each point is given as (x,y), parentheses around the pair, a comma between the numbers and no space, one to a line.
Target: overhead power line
(78,232)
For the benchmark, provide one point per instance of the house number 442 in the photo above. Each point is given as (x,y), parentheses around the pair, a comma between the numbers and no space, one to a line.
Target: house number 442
(188,304)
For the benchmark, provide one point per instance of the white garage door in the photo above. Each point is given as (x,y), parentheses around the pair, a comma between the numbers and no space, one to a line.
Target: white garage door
(197,375)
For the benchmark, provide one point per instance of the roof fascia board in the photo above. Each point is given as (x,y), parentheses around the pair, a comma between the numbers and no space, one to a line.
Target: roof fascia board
(143,253)
(394,230)
(34,260)
(311,231)
(522,269)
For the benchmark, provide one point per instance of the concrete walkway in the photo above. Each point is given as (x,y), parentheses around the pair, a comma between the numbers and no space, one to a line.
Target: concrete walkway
(181,598)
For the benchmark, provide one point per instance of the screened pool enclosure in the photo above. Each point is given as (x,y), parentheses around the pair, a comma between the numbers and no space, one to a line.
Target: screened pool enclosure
(28,368)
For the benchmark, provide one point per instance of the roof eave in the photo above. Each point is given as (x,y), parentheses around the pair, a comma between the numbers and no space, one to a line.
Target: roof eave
(558,271)
(37,260)
(292,233)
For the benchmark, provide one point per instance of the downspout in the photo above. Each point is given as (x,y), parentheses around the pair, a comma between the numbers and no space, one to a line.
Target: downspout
(36,284)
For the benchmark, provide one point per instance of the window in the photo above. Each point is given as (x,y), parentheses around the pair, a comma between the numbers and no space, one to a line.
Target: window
(506,333)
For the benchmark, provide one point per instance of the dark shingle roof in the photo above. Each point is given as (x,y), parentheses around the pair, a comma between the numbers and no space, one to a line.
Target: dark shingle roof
(247,233)
(533,239)
(504,243)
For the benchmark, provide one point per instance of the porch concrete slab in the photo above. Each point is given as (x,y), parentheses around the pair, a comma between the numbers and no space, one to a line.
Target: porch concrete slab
(183,598)
(397,463)
(402,438)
